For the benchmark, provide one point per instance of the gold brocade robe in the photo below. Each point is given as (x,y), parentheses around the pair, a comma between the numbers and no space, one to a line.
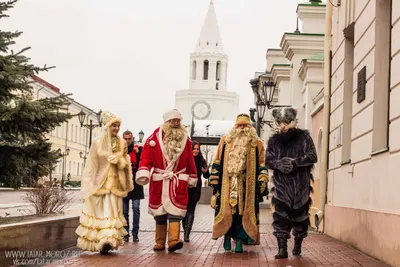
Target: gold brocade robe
(256,178)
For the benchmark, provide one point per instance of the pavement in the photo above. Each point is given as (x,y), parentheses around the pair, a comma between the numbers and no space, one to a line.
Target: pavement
(318,249)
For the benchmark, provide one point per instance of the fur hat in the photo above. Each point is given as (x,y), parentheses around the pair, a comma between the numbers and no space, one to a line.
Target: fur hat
(172,114)
(243,118)
(108,118)
(284,115)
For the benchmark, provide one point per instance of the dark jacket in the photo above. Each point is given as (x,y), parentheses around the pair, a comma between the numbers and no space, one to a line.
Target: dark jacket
(195,193)
(137,192)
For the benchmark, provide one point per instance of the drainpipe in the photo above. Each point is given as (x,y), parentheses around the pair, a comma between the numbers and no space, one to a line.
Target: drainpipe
(325,134)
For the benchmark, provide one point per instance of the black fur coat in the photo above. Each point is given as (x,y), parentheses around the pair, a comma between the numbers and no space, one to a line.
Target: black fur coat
(293,188)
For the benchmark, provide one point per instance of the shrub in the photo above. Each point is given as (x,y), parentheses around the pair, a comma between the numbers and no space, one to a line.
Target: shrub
(48,199)
(73,183)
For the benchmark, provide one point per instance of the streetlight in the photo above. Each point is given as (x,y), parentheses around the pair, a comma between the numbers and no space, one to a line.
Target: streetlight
(141,135)
(64,156)
(263,100)
(84,157)
(90,126)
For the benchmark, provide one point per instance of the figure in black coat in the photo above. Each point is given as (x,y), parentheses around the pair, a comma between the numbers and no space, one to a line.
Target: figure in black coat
(194,193)
(291,154)
(137,193)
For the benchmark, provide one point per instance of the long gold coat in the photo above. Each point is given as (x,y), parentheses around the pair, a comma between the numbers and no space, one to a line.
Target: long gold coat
(256,179)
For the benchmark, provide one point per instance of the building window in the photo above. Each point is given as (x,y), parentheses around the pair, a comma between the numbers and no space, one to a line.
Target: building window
(382,77)
(205,70)
(76,133)
(194,69)
(348,92)
(216,44)
(72,133)
(218,70)
(216,86)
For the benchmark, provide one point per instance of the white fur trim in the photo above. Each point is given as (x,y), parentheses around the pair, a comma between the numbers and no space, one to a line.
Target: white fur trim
(192,182)
(172,114)
(166,206)
(183,177)
(157,212)
(171,209)
(142,177)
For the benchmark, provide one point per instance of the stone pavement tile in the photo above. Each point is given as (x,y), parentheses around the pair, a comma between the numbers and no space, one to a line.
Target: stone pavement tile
(318,250)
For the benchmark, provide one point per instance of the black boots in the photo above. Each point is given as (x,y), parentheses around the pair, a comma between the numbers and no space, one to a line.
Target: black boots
(106,248)
(187,226)
(282,252)
(297,246)
(282,244)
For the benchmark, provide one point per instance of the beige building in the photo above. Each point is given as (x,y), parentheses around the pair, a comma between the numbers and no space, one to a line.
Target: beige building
(363,202)
(68,135)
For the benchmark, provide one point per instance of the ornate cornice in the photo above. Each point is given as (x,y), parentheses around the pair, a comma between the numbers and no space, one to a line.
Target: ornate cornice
(301,43)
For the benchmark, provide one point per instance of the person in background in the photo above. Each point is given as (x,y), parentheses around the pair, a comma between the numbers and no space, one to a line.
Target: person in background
(194,193)
(136,194)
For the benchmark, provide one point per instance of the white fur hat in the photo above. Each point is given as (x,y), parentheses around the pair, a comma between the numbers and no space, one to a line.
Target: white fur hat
(172,114)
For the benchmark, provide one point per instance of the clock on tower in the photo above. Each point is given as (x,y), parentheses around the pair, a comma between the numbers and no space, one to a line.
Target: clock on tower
(201,110)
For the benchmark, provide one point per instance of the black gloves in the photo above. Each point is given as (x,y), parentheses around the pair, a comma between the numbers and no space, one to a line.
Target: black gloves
(284,165)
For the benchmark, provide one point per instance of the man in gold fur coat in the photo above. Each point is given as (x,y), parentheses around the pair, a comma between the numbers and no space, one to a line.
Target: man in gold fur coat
(107,179)
(239,179)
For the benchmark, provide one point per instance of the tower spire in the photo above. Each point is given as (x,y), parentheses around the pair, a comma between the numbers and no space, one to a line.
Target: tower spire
(210,38)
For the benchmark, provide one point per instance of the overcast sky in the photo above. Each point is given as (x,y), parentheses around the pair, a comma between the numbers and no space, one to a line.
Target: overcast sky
(130,56)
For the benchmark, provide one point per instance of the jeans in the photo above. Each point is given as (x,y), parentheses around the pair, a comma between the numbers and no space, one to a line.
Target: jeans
(136,215)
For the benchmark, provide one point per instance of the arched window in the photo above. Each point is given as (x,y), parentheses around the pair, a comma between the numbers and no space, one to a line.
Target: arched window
(216,86)
(205,70)
(218,70)
(194,69)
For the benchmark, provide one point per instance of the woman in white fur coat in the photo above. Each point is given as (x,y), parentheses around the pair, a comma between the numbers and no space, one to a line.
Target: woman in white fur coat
(107,179)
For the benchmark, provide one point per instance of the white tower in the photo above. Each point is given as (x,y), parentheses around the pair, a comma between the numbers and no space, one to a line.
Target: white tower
(207,97)
(208,64)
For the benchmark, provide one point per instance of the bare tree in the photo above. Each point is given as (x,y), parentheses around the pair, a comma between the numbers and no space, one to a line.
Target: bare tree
(48,199)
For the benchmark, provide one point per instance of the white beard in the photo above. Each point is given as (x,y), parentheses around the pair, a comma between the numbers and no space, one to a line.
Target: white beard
(239,140)
(237,155)
(173,141)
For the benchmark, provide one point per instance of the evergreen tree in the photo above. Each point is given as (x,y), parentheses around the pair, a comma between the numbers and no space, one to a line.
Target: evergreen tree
(24,122)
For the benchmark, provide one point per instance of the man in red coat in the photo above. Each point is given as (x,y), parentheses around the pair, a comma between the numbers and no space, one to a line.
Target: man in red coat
(168,154)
